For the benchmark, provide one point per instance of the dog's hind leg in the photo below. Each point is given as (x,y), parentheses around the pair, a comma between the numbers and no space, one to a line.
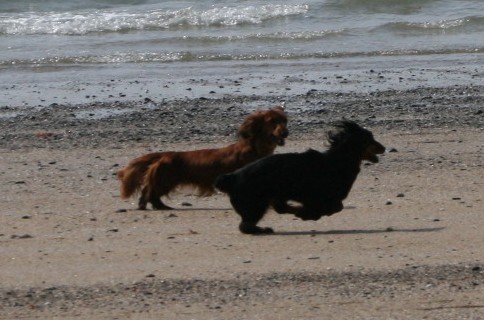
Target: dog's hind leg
(282,207)
(159,181)
(251,214)
(157,204)
(142,202)
(148,196)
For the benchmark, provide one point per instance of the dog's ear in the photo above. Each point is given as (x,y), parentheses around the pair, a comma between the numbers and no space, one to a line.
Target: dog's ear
(246,130)
(337,135)
(280,108)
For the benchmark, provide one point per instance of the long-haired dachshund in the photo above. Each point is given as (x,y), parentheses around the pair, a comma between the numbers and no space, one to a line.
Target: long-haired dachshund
(319,181)
(157,174)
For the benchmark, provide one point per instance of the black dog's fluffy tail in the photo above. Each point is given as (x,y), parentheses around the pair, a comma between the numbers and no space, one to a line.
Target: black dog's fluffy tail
(225,182)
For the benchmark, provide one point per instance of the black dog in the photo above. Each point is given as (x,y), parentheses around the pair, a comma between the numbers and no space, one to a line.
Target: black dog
(319,181)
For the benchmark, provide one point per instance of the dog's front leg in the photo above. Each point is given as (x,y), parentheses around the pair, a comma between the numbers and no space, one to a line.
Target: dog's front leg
(315,211)
(308,213)
(331,208)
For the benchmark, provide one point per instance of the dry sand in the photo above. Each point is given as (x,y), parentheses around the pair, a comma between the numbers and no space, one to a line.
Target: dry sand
(407,246)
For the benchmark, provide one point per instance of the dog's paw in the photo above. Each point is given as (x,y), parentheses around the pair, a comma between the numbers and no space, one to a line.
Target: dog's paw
(306,216)
(312,218)
(252,229)
(267,230)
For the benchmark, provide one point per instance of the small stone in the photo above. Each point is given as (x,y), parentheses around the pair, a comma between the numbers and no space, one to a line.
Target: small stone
(25,236)
(121,210)
(392,150)
(186,204)
(400,195)
(388,203)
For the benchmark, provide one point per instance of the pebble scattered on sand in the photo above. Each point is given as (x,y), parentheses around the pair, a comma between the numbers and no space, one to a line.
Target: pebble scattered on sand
(120,124)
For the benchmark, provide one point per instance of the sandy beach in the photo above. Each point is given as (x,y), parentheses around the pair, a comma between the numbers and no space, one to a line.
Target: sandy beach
(408,244)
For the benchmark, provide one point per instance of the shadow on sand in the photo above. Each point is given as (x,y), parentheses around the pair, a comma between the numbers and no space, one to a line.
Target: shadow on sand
(354,231)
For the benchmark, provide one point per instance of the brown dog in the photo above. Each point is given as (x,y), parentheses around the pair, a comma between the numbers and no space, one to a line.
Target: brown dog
(157,174)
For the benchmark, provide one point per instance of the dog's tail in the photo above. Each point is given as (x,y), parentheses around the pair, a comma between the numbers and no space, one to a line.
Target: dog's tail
(225,183)
(131,179)
(132,176)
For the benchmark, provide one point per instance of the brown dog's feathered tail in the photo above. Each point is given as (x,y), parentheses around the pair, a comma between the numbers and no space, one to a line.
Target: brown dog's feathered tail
(131,179)
(132,176)
(225,182)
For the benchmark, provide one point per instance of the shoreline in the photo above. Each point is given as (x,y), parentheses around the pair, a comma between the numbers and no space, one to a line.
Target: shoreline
(39,87)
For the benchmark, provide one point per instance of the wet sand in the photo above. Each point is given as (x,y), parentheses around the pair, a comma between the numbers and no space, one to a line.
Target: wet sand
(407,246)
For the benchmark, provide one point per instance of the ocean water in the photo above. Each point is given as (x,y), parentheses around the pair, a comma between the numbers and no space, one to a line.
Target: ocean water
(59,45)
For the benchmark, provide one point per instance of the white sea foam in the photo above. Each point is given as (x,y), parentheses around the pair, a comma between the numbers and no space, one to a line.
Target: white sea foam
(51,36)
(79,23)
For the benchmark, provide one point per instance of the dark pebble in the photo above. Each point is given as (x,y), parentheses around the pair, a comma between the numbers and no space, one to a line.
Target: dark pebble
(25,236)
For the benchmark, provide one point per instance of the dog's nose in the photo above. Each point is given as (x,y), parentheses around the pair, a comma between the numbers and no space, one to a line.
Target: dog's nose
(285,133)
